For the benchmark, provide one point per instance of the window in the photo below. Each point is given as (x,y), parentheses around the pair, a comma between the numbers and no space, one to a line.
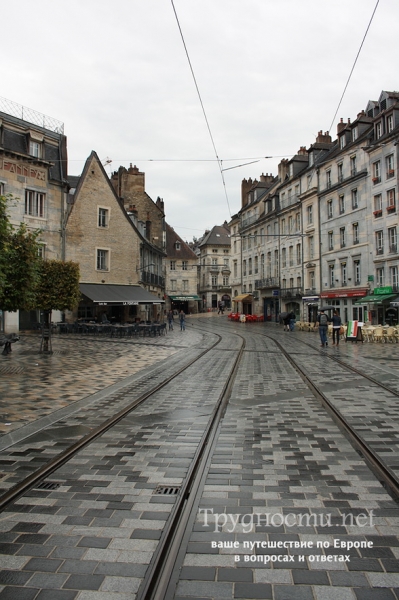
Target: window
(391,202)
(173,265)
(214,250)
(328,179)
(235,268)
(379,241)
(214,262)
(185,285)
(291,282)
(244,268)
(102,260)
(329,209)
(284,257)
(392,239)
(102,217)
(331,273)
(262,265)
(331,240)
(35,149)
(282,227)
(390,166)
(389,123)
(380,277)
(312,280)
(311,247)
(340,172)
(341,205)
(41,251)
(214,280)
(309,212)
(226,262)
(244,243)
(353,165)
(249,242)
(256,268)
(342,141)
(269,265)
(284,284)
(34,203)
(354,134)
(376,172)
(298,254)
(298,222)
(290,224)
(291,256)
(173,285)
(177,245)
(377,206)
(378,129)
(356,266)
(342,237)
(393,276)
(184,265)
(276,266)
(255,238)
(355,231)
(250,266)
(344,277)
(355,199)
(226,280)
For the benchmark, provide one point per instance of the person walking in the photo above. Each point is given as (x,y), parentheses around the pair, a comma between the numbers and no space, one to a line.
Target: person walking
(182,319)
(322,322)
(170,320)
(286,321)
(336,325)
(292,320)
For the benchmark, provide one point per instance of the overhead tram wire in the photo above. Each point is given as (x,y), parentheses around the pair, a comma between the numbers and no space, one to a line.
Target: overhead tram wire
(203,108)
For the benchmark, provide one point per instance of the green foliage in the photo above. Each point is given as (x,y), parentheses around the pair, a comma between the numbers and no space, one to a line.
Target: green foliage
(58,286)
(19,263)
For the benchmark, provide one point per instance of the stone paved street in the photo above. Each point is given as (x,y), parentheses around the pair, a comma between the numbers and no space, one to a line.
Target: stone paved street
(283,485)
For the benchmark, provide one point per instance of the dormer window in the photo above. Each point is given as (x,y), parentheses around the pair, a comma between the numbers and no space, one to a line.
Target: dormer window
(178,245)
(311,159)
(378,130)
(35,149)
(342,141)
(354,134)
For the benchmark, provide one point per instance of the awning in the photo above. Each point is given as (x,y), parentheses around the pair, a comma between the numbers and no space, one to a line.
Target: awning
(375,298)
(104,294)
(184,298)
(243,298)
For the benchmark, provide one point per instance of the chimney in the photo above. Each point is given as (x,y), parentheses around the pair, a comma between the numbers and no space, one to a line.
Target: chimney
(268,179)
(324,138)
(302,151)
(283,169)
(245,187)
(341,126)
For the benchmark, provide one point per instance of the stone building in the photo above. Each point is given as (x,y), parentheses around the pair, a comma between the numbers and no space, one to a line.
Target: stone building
(214,250)
(107,243)
(181,281)
(33,168)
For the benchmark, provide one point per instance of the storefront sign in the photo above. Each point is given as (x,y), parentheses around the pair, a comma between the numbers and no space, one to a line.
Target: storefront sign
(357,293)
(383,290)
(310,298)
(275,292)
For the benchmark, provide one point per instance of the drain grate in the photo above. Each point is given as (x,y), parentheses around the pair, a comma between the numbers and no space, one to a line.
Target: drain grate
(167,490)
(48,485)
(11,370)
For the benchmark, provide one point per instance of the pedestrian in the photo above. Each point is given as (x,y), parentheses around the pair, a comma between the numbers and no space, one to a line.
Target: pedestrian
(286,322)
(292,321)
(182,319)
(336,325)
(322,323)
(170,320)
(220,308)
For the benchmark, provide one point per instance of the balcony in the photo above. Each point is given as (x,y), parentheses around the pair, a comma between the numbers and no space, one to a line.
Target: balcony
(269,282)
(152,279)
(291,293)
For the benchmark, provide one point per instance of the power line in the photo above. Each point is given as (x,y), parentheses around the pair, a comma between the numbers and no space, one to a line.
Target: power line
(203,108)
(354,64)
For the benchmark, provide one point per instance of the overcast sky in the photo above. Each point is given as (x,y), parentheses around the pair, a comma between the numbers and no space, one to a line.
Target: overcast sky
(270,73)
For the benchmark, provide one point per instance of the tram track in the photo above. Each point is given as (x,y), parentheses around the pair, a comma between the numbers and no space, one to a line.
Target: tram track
(383,472)
(40,474)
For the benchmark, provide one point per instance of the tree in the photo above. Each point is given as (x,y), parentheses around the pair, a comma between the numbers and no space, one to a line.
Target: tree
(19,262)
(57,289)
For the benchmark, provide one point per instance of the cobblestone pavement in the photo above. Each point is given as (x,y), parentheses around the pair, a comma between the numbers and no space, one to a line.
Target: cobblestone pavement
(278,453)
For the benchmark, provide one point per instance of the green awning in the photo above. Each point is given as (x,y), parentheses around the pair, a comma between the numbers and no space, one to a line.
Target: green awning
(375,298)
(184,298)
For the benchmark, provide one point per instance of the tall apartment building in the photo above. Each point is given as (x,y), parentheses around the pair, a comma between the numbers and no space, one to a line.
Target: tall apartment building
(214,250)
(181,279)
(33,168)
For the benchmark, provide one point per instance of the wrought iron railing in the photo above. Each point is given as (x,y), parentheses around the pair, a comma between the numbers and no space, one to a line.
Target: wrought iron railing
(32,116)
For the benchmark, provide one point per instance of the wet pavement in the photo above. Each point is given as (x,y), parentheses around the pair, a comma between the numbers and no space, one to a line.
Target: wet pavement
(278,453)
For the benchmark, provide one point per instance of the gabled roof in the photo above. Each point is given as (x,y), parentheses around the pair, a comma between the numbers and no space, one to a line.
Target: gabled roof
(185,252)
(219,235)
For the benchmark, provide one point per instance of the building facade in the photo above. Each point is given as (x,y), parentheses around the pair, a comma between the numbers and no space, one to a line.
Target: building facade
(214,251)
(181,277)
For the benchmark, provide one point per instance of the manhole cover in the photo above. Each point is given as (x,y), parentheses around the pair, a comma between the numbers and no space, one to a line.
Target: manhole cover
(167,490)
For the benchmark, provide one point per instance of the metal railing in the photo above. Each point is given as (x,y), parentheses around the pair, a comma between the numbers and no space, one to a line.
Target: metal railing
(31,116)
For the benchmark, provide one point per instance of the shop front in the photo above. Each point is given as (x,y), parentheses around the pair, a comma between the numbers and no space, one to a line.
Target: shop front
(378,307)
(188,304)
(310,306)
(347,302)
(243,303)
(118,304)
(271,307)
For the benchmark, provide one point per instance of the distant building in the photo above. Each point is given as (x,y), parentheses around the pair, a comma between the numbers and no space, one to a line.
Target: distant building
(33,168)
(181,281)
(214,250)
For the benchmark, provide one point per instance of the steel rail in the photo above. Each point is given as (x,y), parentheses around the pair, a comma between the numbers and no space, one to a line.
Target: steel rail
(159,582)
(52,465)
